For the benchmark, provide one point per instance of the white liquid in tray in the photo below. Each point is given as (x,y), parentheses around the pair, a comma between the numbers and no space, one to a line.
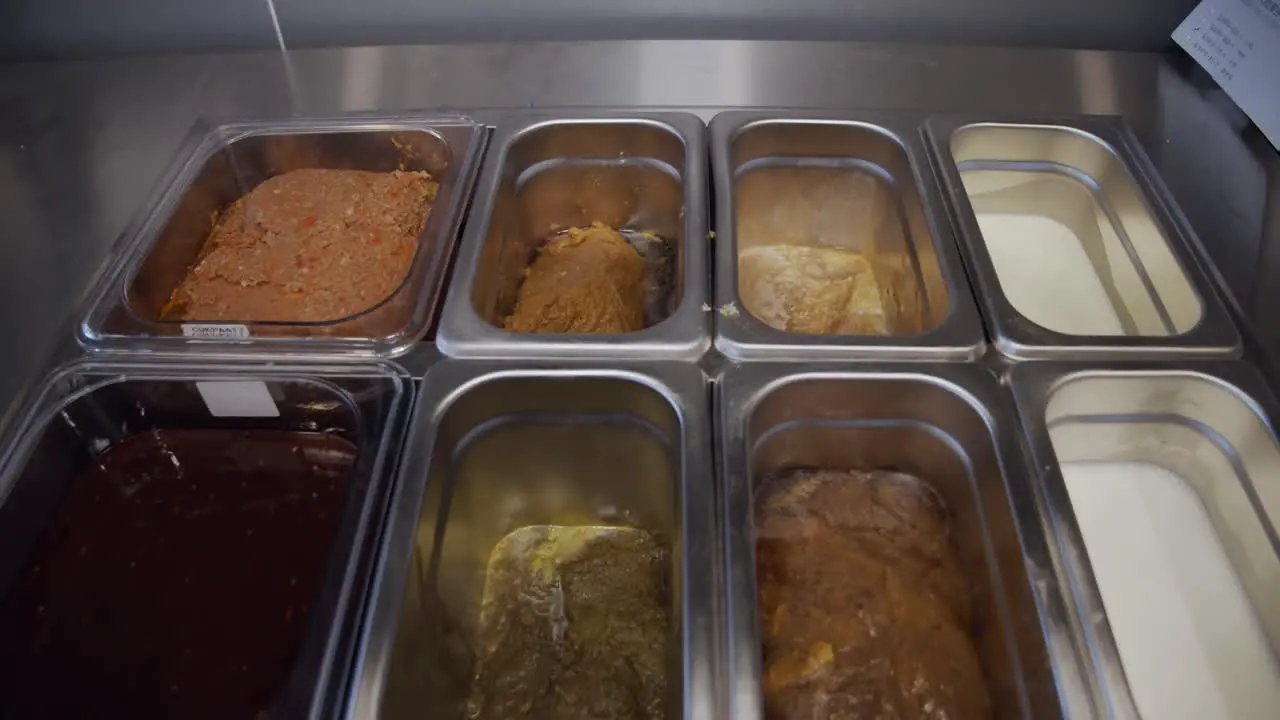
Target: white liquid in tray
(1189,640)
(1046,275)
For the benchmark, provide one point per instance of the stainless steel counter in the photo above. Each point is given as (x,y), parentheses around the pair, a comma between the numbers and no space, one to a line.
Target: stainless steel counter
(82,143)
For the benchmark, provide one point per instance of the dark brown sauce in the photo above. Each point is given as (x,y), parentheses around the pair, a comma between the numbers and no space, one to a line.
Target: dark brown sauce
(864,609)
(175,578)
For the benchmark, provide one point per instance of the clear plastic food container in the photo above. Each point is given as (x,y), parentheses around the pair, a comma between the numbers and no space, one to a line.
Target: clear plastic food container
(522,288)
(842,488)
(130,307)
(192,540)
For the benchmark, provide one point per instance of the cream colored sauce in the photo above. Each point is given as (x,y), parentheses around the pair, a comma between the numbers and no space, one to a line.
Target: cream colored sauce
(1046,275)
(1191,645)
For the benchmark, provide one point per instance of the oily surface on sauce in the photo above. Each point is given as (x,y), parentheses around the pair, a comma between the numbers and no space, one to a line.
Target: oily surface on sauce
(308,246)
(864,611)
(589,280)
(175,578)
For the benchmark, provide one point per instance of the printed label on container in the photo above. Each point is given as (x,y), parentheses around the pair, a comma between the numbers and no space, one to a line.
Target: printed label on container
(215,332)
(238,398)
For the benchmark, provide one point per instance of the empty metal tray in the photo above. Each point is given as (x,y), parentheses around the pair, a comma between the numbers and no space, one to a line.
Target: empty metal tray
(854,187)
(1072,249)
(1160,486)
(643,174)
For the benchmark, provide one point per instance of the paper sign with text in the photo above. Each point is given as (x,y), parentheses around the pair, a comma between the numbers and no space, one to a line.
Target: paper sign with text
(1238,43)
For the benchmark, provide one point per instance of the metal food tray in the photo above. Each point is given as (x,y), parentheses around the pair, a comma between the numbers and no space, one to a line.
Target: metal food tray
(220,163)
(521,429)
(1209,423)
(638,172)
(1082,175)
(778,169)
(951,426)
(497,446)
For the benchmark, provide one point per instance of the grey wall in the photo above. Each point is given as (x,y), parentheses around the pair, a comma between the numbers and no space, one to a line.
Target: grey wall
(47,28)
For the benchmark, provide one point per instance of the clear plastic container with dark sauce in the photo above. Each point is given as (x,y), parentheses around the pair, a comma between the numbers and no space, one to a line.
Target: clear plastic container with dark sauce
(182,543)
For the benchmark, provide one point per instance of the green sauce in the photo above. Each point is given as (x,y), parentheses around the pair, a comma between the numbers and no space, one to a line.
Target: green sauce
(574,623)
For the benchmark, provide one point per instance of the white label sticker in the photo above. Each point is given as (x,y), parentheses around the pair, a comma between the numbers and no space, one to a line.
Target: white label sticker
(215,332)
(238,398)
(1238,42)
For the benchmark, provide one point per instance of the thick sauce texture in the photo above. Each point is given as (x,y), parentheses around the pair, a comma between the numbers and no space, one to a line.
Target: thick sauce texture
(573,625)
(175,578)
(589,280)
(308,246)
(864,611)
